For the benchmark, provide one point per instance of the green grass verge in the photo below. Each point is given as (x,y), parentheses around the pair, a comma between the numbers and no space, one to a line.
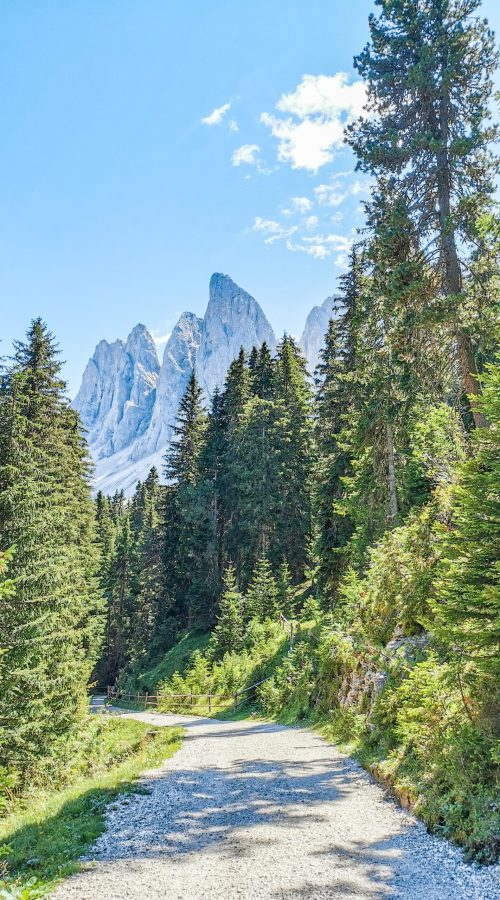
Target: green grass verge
(42,840)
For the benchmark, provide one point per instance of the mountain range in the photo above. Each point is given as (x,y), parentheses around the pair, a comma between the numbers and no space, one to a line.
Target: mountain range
(128,402)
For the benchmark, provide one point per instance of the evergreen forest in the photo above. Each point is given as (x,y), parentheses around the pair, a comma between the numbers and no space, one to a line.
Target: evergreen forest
(360,505)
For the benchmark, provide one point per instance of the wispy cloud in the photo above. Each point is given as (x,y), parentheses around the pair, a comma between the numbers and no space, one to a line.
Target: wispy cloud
(217,115)
(233,125)
(302,204)
(247,154)
(160,339)
(321,246)
(339,189)
(316,114)
(273,231)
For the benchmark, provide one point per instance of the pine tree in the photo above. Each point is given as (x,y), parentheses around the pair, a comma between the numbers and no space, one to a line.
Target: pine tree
(186,517)
(227,636)
(182,458)
(262,372)
(333,528)
(211,467)
(285,590)
(429,71)
(51,624)
(121,603)
(106,534)
(262,595)
(467,593)
(149,569)
(255,492)
(293,441)
(235,395)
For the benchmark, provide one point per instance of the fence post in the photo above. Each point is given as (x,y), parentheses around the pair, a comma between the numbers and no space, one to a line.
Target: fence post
(209,702)
(236,701)
(191,699)
(146,700)
(291,636)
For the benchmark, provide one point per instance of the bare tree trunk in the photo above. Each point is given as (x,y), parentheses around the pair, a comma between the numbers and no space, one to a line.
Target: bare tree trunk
(393,495)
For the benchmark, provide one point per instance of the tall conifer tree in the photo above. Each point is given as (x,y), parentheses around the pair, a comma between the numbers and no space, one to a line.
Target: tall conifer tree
(429,69)
(51,623)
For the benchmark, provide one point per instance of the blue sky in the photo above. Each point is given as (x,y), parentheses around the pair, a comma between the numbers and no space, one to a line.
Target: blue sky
(117,201)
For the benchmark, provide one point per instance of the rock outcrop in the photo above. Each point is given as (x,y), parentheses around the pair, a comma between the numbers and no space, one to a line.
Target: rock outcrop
(313,336)
(129,405)
(233,319)
(118,392)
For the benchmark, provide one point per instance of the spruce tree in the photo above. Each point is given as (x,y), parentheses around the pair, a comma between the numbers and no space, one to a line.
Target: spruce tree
(182,458)
(149,564)
(429,69)
(185,516)
(285,590)
(333,528)
(262,595)
(467,591)
(51,623)
(228,634)
(294,449)
(262,371)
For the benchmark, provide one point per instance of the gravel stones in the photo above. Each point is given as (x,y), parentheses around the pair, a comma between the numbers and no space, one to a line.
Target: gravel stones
(258,810)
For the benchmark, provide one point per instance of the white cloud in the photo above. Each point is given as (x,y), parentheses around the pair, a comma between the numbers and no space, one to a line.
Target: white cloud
(327,95)
(247,153)
(302,204)
(330,195)
(321,246)
(318,109)
(233,125)
(217,115)
(273,230)
(160,339)
(306,144)
(334,194)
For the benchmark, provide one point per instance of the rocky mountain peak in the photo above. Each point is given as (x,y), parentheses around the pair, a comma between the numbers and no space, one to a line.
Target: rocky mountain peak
(313,336)
(128,403)
(233,319)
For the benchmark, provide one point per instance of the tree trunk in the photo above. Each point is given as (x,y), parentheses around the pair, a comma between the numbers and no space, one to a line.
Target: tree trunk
(393,496)
(452,271)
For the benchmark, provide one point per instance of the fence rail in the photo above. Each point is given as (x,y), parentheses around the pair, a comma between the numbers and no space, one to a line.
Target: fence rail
(191,699)
(211,700)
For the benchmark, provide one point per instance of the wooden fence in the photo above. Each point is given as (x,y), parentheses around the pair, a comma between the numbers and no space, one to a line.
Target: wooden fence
(209,700)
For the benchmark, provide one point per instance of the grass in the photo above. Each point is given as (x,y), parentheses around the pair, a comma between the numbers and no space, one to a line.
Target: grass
(234,673)
(42,840)
(176,659)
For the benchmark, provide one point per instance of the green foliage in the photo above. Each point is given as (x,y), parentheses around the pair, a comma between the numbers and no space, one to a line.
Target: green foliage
(51,613)
(47,833)
(261,601)
(429,72)
(227,636)
(264,645)
(467,592)
(177,659)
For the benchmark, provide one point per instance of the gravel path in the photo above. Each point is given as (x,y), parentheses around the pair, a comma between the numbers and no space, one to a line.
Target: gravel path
(257,810)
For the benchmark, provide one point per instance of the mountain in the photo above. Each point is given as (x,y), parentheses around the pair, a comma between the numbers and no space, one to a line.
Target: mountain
(233,319)
(128,404)
(118,392)
(313,336)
